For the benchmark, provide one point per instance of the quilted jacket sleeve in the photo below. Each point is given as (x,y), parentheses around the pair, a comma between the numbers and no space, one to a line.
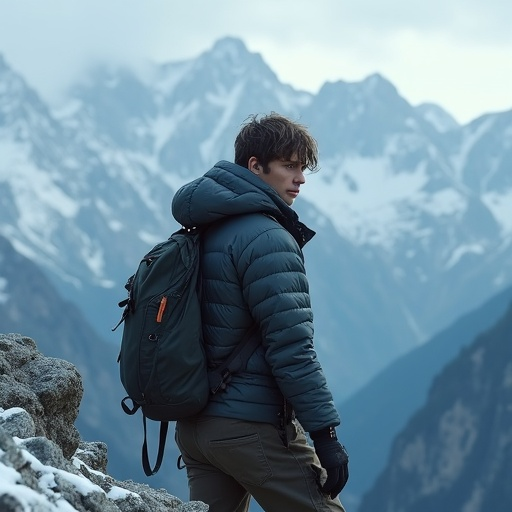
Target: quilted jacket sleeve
(276,290)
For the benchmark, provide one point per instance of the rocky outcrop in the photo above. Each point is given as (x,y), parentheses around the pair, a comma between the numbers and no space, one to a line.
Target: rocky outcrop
(455,452)
(44,465)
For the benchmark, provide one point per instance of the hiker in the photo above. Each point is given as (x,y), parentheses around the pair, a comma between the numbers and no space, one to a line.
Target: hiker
(250,439)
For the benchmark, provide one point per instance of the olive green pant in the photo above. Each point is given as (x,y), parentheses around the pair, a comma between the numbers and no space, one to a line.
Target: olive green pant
(228,461)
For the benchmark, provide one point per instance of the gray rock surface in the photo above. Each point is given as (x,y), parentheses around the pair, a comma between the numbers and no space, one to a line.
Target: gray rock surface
(44,465)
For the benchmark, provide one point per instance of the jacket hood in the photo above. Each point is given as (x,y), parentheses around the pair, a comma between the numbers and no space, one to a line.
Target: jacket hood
(229,189)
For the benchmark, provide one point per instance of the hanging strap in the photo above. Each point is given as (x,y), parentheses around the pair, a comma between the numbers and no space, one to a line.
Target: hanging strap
(164,426)
(217,379)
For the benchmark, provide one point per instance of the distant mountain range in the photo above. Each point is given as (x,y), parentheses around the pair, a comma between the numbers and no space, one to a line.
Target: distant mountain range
(412,211)
(413,215)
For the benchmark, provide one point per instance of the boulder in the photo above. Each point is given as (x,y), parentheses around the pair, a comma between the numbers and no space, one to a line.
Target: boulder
(44,465)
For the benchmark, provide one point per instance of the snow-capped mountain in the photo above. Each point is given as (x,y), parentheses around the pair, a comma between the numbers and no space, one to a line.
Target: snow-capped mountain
(435,207)
(413,220)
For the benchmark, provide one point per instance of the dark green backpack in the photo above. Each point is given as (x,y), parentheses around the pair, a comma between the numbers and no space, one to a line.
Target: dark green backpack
(162,360)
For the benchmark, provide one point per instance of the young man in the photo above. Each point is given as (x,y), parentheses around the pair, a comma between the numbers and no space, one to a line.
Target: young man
(247,440)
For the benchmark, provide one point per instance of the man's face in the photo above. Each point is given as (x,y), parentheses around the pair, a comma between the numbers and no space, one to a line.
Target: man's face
(284,176)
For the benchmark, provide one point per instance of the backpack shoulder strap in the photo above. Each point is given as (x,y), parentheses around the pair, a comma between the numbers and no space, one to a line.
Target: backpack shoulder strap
(220,376)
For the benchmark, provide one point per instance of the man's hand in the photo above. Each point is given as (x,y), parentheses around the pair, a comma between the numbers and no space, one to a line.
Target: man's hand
(333,458)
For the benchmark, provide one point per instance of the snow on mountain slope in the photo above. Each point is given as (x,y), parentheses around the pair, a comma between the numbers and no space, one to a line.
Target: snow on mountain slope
(437,117)
(486,164)
(420,217)
(365,207)
(501,207)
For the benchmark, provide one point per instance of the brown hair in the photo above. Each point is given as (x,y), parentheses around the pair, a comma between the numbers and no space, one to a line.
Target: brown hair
(274,137)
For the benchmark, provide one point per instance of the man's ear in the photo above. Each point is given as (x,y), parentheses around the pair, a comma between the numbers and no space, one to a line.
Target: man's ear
(253,165)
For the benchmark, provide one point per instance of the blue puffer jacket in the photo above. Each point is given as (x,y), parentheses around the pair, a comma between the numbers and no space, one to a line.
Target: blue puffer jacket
(253,271)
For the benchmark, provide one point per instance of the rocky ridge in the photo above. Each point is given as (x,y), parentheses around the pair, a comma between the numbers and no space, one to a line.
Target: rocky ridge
(455,452)
(44,464)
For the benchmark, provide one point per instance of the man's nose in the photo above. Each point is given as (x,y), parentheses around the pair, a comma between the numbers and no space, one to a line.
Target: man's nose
(300,178)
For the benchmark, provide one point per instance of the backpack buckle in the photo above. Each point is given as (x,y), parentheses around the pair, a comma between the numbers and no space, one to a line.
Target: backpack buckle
(225,378)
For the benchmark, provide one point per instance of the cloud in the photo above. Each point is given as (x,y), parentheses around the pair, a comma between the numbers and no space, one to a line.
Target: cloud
(52,42)
(424,48)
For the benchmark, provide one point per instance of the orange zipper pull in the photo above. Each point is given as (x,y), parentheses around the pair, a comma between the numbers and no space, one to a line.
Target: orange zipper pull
(161,309)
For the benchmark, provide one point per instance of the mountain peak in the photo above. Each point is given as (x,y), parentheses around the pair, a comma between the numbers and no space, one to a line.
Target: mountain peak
(17,99)
(231,54)
(229,59)
(229,47)
(377,84)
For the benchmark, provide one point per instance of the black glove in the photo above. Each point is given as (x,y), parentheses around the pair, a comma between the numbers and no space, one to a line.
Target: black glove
(333,458)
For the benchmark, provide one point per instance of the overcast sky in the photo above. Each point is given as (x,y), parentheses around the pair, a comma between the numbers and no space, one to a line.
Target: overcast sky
(456,53)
